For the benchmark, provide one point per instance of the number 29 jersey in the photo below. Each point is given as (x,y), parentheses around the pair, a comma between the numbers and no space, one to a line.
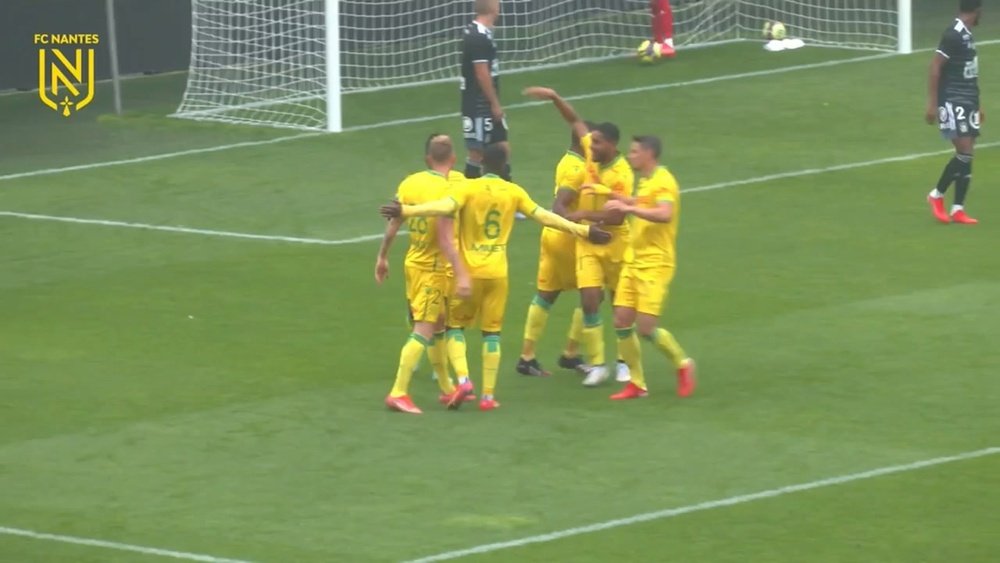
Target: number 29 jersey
(424,252)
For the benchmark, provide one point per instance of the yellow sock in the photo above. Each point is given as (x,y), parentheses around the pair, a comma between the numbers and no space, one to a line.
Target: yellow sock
(491,363)
(408,358)
(593,339)
(456,353)
(538,316)
(437,353)
(628,348)
(669,346)
(575,334)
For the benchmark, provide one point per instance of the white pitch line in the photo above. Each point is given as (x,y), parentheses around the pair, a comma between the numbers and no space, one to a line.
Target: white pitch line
(640,89)
(187,230)
(117,546)
(151,158)
(720,503)
(408,121)
(366,238)
(834,168)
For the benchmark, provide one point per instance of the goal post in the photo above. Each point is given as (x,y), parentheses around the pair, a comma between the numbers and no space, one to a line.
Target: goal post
(334,109)
(904,27)
(289,63)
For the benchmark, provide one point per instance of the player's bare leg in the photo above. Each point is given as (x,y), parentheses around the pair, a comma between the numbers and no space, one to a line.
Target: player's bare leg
(419,339)
(534,326)
(593,336)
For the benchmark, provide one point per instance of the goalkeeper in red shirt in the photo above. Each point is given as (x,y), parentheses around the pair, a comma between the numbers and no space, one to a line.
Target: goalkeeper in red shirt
(663,25)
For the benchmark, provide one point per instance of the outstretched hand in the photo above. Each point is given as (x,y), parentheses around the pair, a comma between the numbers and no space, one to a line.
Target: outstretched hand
(391,210)
(598,236)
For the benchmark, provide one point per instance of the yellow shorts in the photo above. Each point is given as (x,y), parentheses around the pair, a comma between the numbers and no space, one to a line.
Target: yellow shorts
(644,289)
(425,294)
(557,261)
(600,266)
(487,303)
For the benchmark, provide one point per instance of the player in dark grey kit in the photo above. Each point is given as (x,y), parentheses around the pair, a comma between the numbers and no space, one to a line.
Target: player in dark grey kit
(483,121)
(953,103)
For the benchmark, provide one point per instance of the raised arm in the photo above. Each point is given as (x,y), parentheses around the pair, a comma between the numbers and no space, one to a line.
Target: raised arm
(566,110)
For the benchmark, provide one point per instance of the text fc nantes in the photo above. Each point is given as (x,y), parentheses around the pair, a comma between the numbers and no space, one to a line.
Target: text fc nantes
(66,60)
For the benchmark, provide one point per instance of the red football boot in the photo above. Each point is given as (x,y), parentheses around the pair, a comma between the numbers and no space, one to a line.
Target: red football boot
(937,208)
(961,217)
(685,378)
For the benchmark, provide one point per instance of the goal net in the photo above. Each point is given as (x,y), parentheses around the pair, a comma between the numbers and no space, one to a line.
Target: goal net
(286,63)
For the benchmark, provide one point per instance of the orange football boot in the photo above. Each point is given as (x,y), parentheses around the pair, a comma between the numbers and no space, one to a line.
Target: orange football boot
(402,404)
(630,391)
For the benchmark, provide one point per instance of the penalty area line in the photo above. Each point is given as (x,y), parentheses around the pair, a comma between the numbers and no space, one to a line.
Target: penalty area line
(117,546)
(709,505)
(366,238)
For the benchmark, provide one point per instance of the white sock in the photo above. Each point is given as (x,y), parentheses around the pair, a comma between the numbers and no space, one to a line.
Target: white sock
(956,208)
(669,42)
(936,194)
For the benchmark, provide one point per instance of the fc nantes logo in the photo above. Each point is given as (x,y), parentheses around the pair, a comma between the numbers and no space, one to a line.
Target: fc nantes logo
(66,70)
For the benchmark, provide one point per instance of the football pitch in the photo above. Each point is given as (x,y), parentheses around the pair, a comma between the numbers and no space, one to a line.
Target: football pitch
(193,352)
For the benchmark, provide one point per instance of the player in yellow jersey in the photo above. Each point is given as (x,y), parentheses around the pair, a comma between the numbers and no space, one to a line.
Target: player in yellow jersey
(431,255)
(557,267)
(597,268)
(649,267)
(486,209)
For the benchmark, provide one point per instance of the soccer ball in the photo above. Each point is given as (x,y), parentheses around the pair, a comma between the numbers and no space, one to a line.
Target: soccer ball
(774,30)
(649,51)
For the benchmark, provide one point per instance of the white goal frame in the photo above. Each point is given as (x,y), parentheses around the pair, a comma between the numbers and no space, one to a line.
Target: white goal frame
(334,88)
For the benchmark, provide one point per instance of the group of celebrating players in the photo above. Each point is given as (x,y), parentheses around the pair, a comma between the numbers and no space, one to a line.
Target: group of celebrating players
(612,228)
(607,232)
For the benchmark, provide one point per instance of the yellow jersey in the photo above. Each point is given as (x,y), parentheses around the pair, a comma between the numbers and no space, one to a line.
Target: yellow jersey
(654,244)
(486,215)
(570,174)
(617,176)
(424,253)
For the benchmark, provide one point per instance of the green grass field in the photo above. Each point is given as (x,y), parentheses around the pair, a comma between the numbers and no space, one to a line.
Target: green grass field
(222,397)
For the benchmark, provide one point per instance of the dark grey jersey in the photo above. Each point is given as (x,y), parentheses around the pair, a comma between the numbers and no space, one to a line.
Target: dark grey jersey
(477,47)
(959,82)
